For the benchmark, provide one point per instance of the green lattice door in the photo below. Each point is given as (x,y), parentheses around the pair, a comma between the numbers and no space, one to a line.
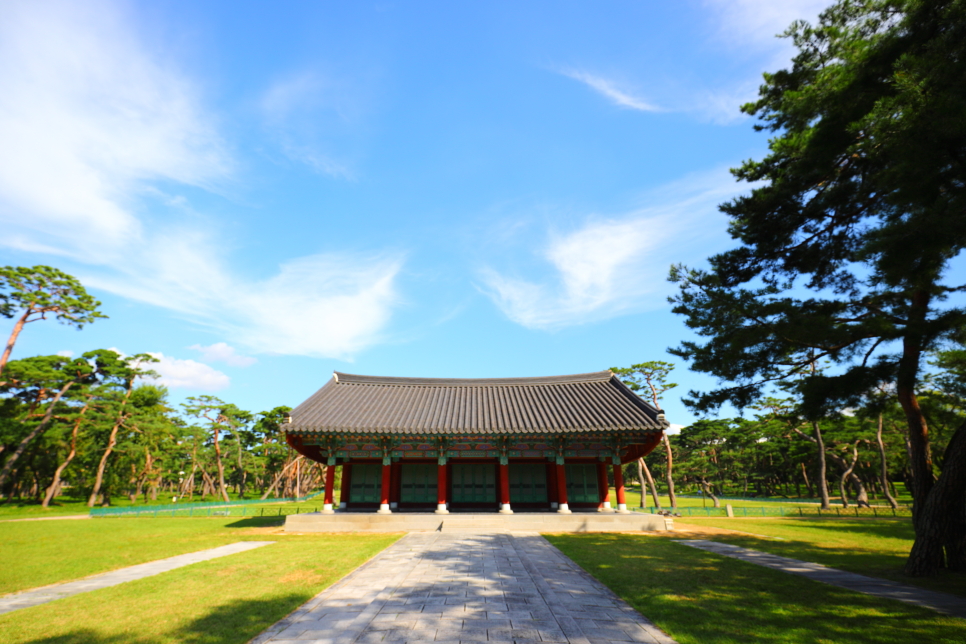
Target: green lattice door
(582,484)
(418,484)
(528,483)
(366,483)
(474,483)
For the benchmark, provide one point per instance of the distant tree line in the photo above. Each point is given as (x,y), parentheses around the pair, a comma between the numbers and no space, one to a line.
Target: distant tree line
(774,451)
(99,427)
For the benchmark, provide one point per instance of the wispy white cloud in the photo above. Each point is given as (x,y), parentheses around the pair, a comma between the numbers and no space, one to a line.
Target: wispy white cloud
(326,305)
(86,118)
(611,90)
(66,353)
(611,266)
(292,107)
(754,24)
(223,352)
(176,373)
(746,30)
(97,130)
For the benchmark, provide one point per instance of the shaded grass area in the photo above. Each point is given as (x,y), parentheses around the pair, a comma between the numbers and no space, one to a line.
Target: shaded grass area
(37,553)
(701,598)
(877,548)
(223,601)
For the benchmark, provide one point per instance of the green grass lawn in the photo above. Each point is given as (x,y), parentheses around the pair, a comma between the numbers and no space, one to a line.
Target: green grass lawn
(701,598)
(37,553)
(877,548)
(227,600)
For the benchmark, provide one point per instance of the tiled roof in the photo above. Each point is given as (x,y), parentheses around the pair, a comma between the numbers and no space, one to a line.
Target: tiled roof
(554,404)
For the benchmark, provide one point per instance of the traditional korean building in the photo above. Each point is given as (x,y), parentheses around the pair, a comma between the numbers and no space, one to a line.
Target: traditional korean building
(475,444)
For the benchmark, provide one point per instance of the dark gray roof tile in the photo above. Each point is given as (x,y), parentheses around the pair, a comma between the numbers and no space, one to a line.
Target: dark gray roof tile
(554,404)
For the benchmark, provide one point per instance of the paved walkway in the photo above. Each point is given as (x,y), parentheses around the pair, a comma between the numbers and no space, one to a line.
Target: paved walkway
(939,602)
(466,588)
(46,594)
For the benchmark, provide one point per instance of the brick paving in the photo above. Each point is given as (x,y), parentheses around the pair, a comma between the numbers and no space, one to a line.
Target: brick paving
(38,596)
(939,602)
(466,588)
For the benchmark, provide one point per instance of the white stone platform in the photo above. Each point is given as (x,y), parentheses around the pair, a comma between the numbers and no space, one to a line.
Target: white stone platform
(476,523)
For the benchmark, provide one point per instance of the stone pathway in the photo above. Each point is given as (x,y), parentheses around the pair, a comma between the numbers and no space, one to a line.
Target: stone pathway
(46,594)
(939,602)
(466,588)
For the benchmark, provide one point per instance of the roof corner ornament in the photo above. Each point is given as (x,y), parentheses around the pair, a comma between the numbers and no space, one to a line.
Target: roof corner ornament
(287,420)
(661,418)
(335,376)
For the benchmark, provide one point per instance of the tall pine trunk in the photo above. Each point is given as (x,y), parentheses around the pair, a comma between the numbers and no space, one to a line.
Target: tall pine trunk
(102,465)
(221,468)
(55,483)
(12,340)
(884,467)
(709,490)
(846,472)
(669,474)
(808,484)
(642,467)
(941,534)
(822,469)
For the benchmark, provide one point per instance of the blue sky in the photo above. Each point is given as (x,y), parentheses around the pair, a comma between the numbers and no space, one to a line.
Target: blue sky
(262,193)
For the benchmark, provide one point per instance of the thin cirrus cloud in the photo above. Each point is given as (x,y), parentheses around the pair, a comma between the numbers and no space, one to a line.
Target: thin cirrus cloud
(611,90)
(87,108)
(292,109)
(607,267)
(742,30)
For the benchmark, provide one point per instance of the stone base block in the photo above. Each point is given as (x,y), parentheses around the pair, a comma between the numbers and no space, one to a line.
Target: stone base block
(476,523)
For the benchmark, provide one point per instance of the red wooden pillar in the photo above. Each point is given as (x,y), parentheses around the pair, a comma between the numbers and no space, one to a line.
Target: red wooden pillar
(346,482)
(441,489)
(619,484)
(329,488)
(602,488)
(504,472)
(386,485)
(396,490)
(552,485)
(562,506)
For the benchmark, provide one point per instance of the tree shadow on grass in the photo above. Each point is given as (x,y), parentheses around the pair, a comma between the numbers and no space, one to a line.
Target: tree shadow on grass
(701,597)
(853,556)
(900,528)
(233,623)
(257,522)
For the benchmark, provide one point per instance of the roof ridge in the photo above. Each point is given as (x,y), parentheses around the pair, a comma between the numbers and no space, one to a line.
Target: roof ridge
(356,379)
